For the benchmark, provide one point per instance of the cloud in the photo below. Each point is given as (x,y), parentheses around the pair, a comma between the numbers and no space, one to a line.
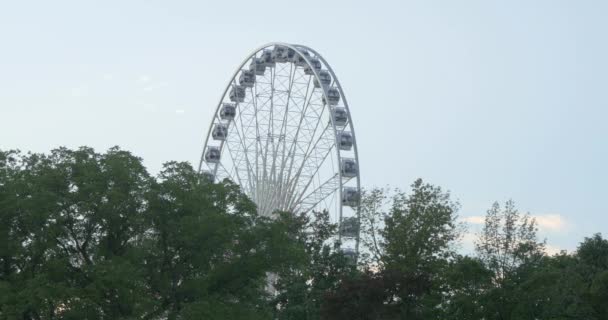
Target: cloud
(552,250)
(79,91)
(550,222)
(545,222)
(144,79)
(469,238)
(467,241)
(474,219)
(155,86)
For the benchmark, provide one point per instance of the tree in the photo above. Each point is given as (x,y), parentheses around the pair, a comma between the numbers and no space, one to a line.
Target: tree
(208,251)
(418,242)
(411,245)
(71,219)
(93,236)
(508,240)
(303,285)
(467,282)
(509,248)
(592,257)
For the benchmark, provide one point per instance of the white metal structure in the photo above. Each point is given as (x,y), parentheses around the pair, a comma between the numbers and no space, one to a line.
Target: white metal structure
(283,131)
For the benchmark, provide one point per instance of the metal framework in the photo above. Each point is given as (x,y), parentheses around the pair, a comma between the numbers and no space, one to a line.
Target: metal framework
(283,131)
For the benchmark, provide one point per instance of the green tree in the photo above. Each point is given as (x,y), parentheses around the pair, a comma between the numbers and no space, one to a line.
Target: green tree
(467,282)
(508,239)
(208,252)
(509,248)
(592,257)
(411,245)
(85,235)
(71,219)
(303,284)
(418,243)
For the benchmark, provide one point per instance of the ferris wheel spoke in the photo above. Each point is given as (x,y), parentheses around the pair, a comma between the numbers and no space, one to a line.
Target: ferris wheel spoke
(325,189)
(312,147)
(284,155)
(292,148)
(311,178)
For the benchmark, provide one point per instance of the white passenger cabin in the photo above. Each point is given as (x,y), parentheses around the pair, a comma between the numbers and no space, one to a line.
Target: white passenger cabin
(257,66)
(324,77)
(282,54)
(349,228)
(314,64)
(339,115)
(237,94)
(267,59)
(349,168)
(212,155)
(279,54)
(228,111)
(207,176)
(345,139)
(247,78)
(350,196)
(299,60)
(333,96)
(219,132)
(350,255)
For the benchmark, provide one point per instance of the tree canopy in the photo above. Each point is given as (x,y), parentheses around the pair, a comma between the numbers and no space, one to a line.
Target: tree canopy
(87,235)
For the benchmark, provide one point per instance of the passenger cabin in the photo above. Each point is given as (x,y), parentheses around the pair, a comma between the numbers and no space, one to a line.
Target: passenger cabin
(257,66)
(267,59)
(350,255)
(349,168)
(345,139)
(299,59)
(247,78)
(314,64)
(219,132)
(339,115)
(350,197)
(237,94)
(324,77)
(278,52)
(228,111)
(207,176)
(333,96)
(212,155)
(282,54)
(349,228)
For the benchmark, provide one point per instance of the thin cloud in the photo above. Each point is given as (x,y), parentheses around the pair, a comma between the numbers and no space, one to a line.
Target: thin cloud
(79,91)
(551,222)
(552,250)
(545,222)
(155,86)
(474,219)
(144,79)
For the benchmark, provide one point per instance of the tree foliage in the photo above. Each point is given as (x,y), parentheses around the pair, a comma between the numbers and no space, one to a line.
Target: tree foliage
(93,236)
(87,235)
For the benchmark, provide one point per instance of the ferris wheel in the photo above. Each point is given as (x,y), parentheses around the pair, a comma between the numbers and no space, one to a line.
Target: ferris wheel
(284,133)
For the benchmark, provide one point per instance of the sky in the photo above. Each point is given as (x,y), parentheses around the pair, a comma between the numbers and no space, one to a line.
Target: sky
(491,100)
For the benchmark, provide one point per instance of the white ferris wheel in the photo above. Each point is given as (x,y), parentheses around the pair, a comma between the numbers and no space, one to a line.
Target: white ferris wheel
(284,133)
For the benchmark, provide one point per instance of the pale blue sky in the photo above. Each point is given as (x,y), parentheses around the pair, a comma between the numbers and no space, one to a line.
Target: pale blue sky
(489,99)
